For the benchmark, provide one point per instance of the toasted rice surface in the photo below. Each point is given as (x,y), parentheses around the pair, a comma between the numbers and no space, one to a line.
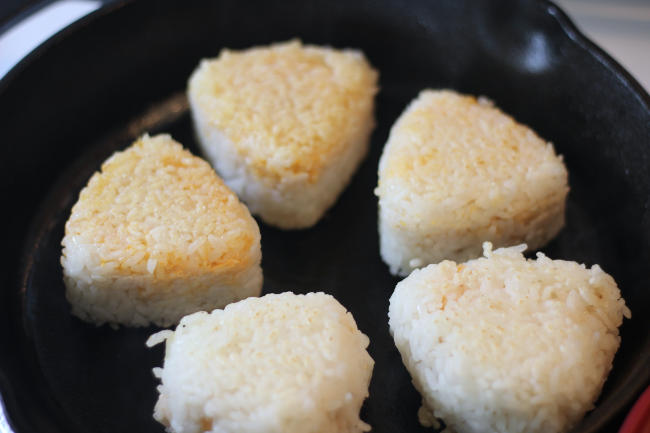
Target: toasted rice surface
(157,209)
(287,108)
(157,235)
(457,171)
(462,156)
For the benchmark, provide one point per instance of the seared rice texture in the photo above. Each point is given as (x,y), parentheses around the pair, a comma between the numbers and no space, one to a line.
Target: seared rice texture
(505,344)
(285,125)
(277,364)
(455,172)
(155,236)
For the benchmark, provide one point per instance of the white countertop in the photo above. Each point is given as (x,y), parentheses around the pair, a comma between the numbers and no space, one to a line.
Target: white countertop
(620,27)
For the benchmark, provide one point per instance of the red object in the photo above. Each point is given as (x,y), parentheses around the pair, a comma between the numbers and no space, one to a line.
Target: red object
(638,420)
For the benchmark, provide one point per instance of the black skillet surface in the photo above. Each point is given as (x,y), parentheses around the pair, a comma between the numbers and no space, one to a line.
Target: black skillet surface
(119,72)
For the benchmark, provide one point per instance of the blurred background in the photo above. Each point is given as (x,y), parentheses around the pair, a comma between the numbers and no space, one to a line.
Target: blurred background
(620,27)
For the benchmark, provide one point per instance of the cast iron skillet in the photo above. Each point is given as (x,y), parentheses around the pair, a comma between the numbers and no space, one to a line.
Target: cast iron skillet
(121,71)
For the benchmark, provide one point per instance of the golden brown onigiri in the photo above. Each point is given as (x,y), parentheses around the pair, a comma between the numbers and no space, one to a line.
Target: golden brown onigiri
(157,235)
(455,172)
(285,125)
